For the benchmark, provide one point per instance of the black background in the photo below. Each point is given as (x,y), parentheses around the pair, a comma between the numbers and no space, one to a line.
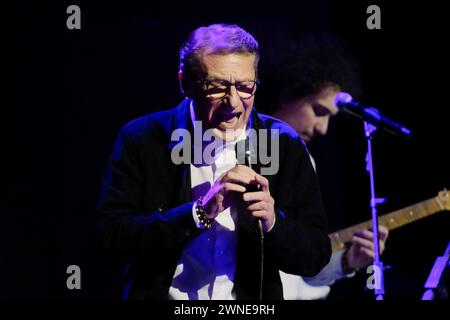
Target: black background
(74,89)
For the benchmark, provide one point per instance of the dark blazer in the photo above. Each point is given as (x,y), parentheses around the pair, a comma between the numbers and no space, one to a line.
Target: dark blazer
(145,211)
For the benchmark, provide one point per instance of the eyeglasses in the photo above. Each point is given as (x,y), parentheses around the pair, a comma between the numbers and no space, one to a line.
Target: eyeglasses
(218,89)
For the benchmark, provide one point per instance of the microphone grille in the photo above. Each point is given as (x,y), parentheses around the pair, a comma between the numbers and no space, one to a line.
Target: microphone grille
(341,99)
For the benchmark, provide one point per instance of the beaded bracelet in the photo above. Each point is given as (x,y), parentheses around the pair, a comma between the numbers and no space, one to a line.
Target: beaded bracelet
(200,211)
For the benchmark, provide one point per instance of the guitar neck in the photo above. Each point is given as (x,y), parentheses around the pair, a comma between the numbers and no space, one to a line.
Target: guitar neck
(391,221)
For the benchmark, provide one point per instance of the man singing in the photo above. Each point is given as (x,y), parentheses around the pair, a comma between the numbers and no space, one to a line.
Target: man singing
(190,230)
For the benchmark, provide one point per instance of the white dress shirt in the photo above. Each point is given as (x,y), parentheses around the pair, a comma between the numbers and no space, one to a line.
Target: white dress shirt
(207,265)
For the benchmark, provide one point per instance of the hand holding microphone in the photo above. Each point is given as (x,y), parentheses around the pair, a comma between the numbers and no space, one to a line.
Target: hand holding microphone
(242,184)
(260,203)
(255,194)
(255,190)
(225,191)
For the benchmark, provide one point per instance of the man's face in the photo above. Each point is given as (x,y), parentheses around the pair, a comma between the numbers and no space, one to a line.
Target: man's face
(309,116)
(230,112)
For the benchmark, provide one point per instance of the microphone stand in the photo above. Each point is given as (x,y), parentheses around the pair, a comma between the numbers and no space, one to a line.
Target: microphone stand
(377,264)
(372,119)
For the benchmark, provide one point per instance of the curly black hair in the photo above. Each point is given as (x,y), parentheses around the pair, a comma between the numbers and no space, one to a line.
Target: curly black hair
(293,69)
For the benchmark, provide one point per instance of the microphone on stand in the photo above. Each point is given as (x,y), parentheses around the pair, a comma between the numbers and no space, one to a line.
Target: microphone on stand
(345,103)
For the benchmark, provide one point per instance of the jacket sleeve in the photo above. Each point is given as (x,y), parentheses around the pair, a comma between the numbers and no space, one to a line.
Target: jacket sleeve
(299,239)
(122,229)
(330,273)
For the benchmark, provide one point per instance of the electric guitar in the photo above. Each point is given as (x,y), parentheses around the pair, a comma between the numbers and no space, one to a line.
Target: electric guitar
(394,219)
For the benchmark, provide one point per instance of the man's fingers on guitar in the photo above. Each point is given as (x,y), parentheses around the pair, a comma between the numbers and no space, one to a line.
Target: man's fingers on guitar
(356,240)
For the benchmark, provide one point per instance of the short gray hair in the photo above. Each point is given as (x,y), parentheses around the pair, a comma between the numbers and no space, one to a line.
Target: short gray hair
(216,39)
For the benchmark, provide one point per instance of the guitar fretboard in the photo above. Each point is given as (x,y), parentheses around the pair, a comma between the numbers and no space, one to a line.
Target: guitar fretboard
(391,221)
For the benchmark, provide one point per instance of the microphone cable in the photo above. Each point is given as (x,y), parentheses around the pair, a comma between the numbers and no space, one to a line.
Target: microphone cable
(260,226)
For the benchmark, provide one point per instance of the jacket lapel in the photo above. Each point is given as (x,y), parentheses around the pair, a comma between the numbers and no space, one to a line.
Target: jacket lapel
(182,120)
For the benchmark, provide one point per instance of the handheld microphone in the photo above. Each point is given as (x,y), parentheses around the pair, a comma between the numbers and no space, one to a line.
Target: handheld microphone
(344,102)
